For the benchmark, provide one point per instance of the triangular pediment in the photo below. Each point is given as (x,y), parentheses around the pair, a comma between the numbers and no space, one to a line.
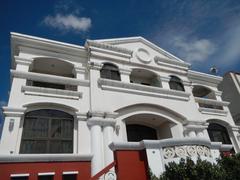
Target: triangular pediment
(142,48)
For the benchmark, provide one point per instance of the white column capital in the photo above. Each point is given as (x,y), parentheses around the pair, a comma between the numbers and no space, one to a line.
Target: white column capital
(101,121)
(23,61)
(125,71)
(95,65)
(13,111)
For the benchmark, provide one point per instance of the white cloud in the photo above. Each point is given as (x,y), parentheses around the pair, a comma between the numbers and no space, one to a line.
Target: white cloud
(68,22)
(193,50)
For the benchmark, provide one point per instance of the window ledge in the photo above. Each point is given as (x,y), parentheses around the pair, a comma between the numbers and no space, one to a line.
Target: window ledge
(59,93)
(212,111)
(44,157)
(112,85)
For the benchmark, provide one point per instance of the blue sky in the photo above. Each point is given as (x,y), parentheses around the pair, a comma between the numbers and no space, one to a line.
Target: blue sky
(204,33)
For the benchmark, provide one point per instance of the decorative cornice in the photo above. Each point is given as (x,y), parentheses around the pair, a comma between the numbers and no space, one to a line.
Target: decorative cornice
(195,125)
(80,70)
(13,111)
(107,84)
(48,78)
(95,65)
(101,121)
(212,111)
(44,157)
(125,71)
(90,43)
(23,61)
(211,101)
(203,77)
(172,63)
(41,91)
(81,116)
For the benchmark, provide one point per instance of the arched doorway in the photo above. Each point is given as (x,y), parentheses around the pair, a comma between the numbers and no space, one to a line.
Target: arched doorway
(147,127)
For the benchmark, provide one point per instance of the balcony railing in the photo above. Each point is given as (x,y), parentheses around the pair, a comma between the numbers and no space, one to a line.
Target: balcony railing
(211,105)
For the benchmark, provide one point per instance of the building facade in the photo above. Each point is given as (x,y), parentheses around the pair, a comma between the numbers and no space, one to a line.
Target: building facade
(230,86)
(107,109)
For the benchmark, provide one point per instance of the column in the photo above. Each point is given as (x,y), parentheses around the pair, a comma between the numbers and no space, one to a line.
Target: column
(108,138)
(96,146)
(165,82)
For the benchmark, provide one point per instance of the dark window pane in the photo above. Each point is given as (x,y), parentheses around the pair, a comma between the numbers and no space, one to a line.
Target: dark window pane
(176,84)
(47,131)
(110,71)
(218,133)
(33,146)
(45,177)
(48,85)
(69,177)
(19,178)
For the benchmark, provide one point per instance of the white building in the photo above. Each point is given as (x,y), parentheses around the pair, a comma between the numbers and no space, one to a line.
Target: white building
(230,87)
(96,103)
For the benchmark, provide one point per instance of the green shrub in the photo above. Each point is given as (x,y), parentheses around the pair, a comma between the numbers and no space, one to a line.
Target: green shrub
(227,168)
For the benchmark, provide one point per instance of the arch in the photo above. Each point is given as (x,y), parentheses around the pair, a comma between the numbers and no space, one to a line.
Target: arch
(175,83)
(203,92)
(53,66)
(153,109)
(166,122)
(145,77)
(47,131)
(110,71)
(218,133)
(50,105)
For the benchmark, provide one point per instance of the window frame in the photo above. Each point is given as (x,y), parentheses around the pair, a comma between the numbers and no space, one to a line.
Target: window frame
(175,83)
(49,139)
(110,71)
(217,128)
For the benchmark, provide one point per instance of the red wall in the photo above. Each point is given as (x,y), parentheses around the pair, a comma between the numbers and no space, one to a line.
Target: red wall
(131,165)
(83,168)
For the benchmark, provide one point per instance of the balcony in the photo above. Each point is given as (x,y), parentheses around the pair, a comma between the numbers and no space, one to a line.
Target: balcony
(139,89)
(39,84)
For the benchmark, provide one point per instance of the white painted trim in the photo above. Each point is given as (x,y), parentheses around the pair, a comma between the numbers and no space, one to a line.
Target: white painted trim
(69,172)
(59,93)
(20,175)
(171,63)
(211,101)
(117,41)
(49,78)
(46,174)
(210,111)
(44,157)
(139,89)
(107,46)
(13,111)
(203,77)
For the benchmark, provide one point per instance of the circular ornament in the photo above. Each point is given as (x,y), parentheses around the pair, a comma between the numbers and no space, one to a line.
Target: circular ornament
(143,55)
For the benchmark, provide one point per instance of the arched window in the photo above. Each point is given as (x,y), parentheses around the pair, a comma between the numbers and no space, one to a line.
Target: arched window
(137,133)
(110,71)
(47,131)
(218,133)
(176,83)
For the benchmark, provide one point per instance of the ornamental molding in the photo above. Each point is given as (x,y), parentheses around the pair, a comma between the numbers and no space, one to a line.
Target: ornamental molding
(23,61)
(125,71)
(143,55)
(186,151)
(48,78)
(50,92)
(204,78)
(210,111)
(23,40)
(139,89)
(172,63)
(101,121)
(13,111)
(90,43)
(211,101)
(45,157)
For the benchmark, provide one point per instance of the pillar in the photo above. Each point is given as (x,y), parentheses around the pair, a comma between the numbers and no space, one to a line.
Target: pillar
(108,138)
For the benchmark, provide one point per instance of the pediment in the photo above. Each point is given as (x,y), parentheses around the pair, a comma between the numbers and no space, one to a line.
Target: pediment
(144,51)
